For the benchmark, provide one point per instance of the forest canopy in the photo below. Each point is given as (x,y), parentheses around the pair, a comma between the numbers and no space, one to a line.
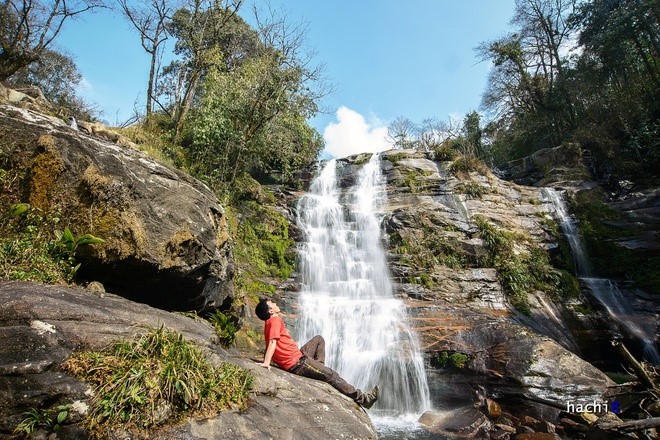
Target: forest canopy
(569,71)
(236,98)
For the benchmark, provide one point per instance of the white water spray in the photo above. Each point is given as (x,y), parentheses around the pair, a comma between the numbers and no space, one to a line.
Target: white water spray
(347,295)
(604,290)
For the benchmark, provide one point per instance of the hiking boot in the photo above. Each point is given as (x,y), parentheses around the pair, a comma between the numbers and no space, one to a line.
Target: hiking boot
(370,398)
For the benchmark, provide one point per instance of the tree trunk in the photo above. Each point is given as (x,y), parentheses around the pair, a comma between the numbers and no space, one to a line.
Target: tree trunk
(640,372)
(150,86)
(186,102)
(635,425)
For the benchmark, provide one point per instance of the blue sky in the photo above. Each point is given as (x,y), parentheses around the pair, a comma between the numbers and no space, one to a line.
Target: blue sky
(386,58)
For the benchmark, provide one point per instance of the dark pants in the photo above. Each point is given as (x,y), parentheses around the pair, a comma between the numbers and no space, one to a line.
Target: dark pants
(312,365)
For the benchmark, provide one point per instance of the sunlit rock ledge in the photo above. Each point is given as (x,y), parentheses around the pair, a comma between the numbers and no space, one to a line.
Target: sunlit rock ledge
(41,325)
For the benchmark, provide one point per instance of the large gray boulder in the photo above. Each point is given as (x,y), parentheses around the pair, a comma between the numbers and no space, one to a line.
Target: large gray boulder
(41,325)
(166,237)
(548,166)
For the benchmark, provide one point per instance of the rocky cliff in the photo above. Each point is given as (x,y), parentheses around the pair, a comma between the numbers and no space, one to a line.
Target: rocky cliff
(478,261)
(485,275)
(166,237)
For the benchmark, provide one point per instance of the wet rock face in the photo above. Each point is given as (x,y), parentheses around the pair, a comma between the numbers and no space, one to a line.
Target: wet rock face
(166,237)
(40,326)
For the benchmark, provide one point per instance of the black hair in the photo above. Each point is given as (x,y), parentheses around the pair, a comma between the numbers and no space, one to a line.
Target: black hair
(262,309)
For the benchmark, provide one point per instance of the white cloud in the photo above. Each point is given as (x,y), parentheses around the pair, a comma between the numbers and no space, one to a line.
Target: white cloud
(352,134)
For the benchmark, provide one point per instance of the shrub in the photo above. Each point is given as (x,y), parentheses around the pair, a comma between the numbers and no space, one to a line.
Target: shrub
(225,327)
(32,248)
(454,360)
(465,164)
(153,136)
(428,249)
(472,189)
(444,152)
(262,241)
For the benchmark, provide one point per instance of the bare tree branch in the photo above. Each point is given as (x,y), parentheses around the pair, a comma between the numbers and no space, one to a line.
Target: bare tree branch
(151,21)
(29,27)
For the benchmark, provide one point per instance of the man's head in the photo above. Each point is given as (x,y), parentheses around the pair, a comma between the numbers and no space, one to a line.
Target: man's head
(265,309)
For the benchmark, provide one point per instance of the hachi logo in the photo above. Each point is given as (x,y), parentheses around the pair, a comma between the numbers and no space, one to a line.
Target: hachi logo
(594,406)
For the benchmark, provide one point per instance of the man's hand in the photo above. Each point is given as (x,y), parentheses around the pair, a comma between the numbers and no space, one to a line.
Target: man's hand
(265,365)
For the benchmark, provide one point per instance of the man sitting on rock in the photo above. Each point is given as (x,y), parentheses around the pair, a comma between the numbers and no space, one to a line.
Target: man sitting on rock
(308,361)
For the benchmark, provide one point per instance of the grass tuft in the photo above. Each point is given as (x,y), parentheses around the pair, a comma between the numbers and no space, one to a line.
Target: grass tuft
(153,379)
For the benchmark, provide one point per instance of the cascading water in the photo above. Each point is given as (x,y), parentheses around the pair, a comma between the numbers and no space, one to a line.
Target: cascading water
(347,294)
(604,290)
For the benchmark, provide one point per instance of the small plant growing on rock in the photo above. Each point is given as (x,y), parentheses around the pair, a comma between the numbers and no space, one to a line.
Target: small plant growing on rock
(225,327)
(48,419)
(66,245)
(472,189)
(454,360)
(423,279)
(69,243)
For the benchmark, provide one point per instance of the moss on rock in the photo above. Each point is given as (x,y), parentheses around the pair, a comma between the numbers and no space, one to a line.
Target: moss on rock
(45,169)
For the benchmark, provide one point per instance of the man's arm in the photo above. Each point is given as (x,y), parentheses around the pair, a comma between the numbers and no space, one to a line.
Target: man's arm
(269,353)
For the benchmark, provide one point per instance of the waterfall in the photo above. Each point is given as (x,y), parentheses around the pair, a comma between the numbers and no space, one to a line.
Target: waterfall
(605,291)
(347,294)
(569,228)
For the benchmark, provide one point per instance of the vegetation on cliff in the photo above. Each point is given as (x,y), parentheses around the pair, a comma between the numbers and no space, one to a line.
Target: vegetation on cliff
(232,106)
(35,244)
(522,267)
(584,73)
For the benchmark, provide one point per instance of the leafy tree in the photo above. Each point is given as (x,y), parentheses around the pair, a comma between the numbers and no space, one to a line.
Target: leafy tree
(200,27)
(617,79)
(624,35)
(604,94)
(57,76)
(512,91)
(253,109)
(545,32)
(473,133)
(29,27)
(252,119)
(526,88)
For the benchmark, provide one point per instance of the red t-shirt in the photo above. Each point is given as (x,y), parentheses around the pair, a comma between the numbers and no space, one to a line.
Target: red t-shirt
(287,352)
